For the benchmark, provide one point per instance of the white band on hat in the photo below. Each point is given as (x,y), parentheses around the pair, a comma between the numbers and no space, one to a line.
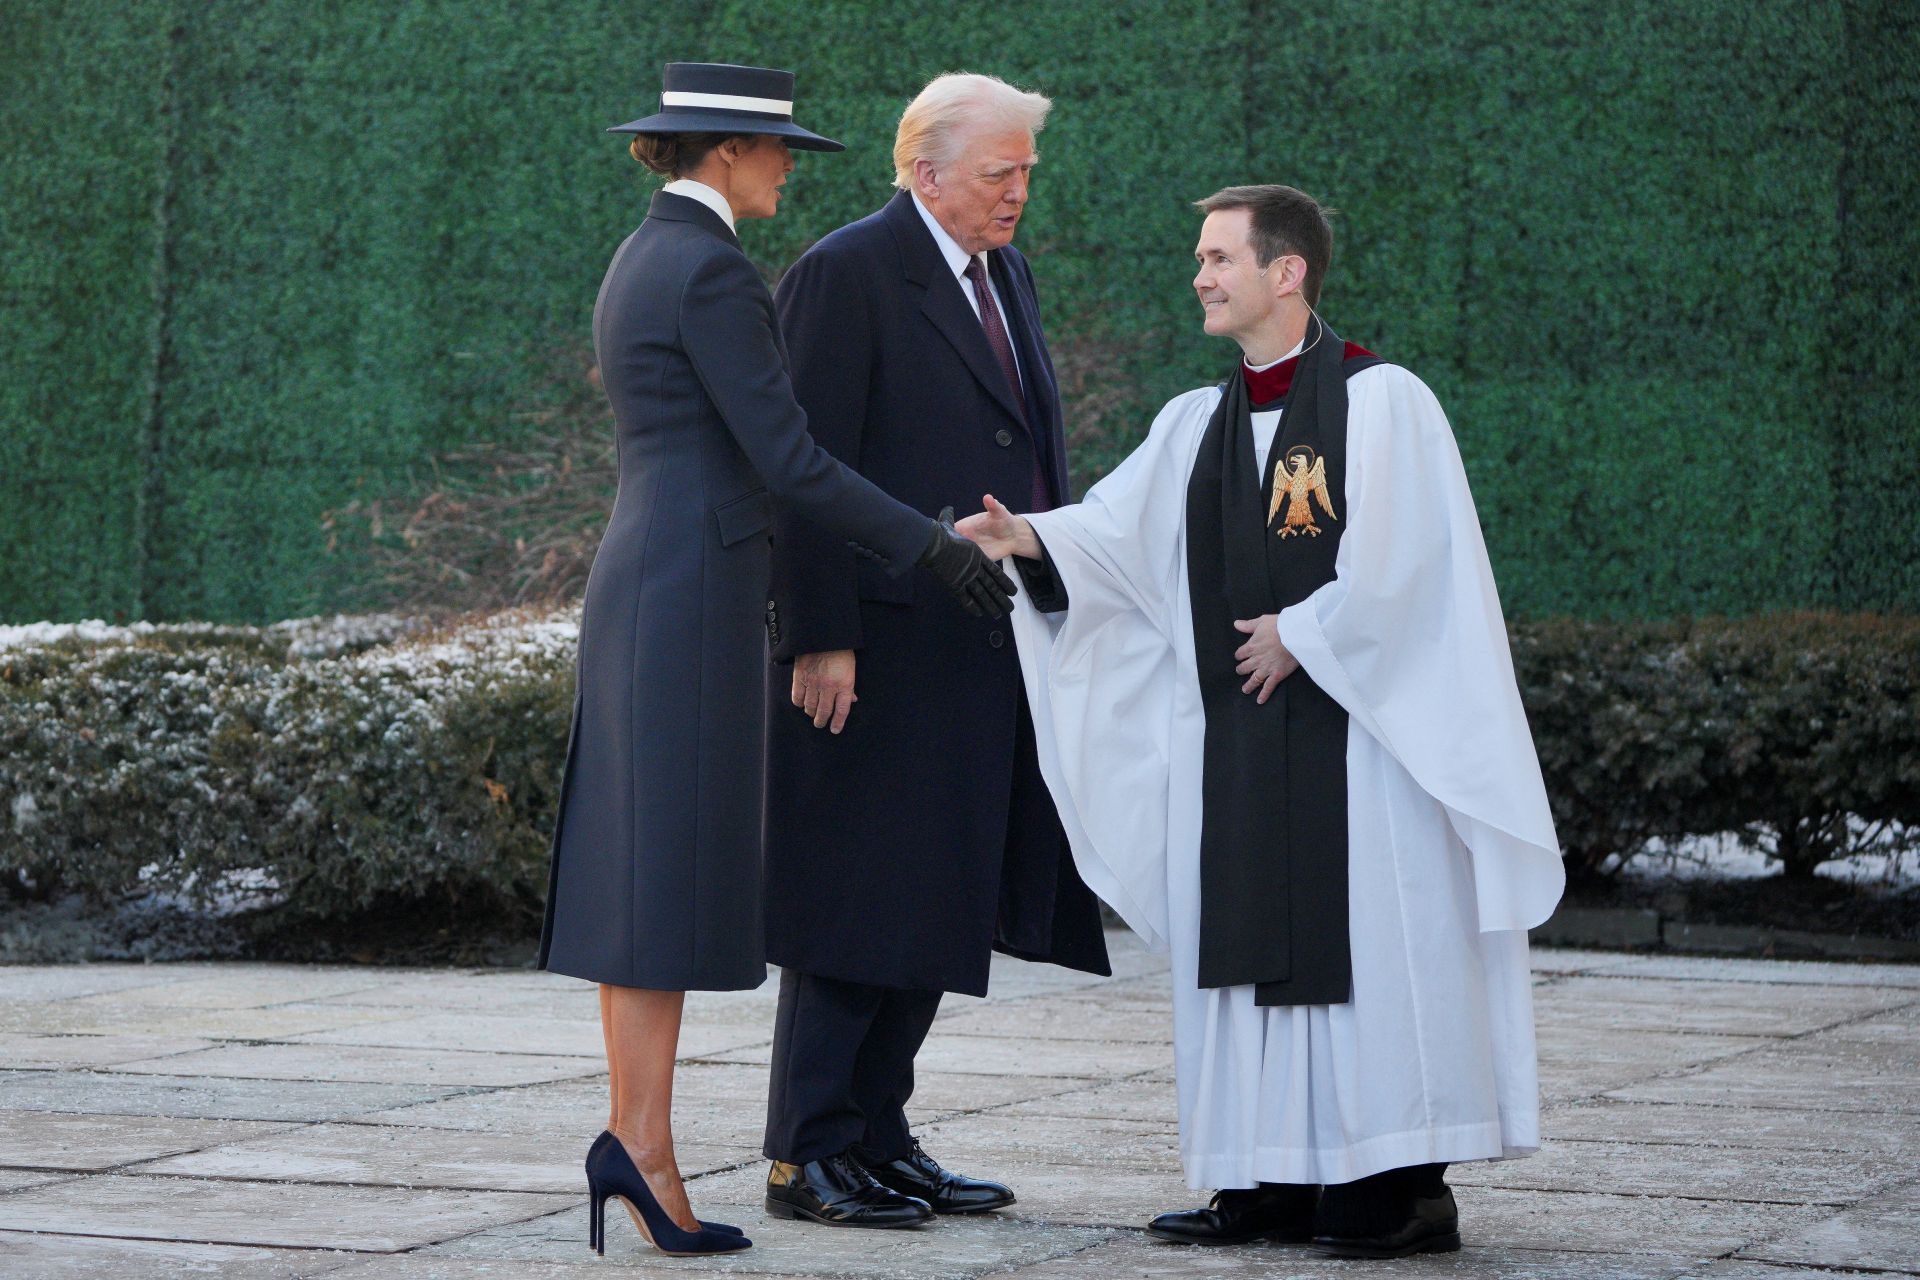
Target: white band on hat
(727,102)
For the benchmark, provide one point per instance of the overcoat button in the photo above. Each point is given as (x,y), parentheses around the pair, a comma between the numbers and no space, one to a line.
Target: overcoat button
(996,639)
(1003,437)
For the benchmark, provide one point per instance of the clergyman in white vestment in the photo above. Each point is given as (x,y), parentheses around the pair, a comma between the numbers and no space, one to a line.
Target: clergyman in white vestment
(1328,1121)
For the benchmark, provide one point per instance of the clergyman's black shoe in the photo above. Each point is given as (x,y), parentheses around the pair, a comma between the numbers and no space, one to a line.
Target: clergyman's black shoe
(1271,1211)
(919,1175)
(1432,1225)
(839,1193)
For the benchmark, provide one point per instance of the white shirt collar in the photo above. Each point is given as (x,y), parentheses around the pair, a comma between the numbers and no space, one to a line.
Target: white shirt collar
(1269,364)
(956,256)
(705,194)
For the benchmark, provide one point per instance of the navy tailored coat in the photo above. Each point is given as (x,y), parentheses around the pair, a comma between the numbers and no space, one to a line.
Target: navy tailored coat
(904,850)
(655,879)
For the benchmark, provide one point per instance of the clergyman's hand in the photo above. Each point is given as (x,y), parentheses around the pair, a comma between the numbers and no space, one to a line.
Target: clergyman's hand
(981,586)
(1000,533)
(823,687)
(1264,661)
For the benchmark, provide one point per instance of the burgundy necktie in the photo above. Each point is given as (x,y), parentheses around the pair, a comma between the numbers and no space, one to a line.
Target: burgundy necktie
(1003,352)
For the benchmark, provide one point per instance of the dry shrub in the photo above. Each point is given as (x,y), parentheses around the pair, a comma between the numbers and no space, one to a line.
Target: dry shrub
(504,523)
(1101,398)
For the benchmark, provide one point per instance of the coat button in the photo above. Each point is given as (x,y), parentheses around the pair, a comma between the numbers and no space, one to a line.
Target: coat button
(996,639)
(1003,437)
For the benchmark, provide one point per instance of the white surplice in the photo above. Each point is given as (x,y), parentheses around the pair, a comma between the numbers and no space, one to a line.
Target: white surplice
(1452,854)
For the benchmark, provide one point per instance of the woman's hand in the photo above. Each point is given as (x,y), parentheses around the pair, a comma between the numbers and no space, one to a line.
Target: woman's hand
(999,533)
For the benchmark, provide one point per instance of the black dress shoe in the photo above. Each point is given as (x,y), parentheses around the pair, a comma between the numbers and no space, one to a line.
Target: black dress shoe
(1431,1224)
(919,1175)
(1271,1211)
(839,1193)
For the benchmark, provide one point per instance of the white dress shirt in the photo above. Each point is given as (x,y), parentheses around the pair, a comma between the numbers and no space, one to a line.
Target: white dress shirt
(705,194)
(957,263)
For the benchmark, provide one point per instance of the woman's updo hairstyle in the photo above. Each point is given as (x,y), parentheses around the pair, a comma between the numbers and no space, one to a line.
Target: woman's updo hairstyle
(675,155)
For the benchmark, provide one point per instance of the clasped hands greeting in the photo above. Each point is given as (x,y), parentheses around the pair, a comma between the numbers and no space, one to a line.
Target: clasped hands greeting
(1264,661)
(823,682)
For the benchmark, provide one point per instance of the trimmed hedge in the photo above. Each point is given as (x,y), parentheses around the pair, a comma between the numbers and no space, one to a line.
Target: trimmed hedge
(1657,260)
(224,767)
(331,772)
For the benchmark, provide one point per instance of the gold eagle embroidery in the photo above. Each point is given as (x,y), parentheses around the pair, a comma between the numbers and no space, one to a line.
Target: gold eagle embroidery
(1299,475)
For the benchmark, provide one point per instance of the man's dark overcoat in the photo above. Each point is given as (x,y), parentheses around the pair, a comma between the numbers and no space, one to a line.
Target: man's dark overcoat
(892,857)
(655,879)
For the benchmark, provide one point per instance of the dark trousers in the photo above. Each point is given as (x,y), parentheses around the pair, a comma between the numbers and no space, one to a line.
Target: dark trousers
(843,1067)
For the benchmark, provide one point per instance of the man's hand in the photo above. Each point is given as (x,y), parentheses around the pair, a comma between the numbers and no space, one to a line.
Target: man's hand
(823,687)
(981,586)
(1264,661)
(1000,533)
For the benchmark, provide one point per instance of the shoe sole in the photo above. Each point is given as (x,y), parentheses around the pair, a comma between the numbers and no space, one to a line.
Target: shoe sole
(793,1212)
(1435,1244)
(1277,1237)
(978,1208)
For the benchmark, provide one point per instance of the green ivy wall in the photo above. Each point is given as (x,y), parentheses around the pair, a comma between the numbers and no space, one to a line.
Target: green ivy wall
(1657,260)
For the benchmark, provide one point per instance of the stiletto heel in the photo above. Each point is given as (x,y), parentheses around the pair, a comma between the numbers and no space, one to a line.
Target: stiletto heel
(611,1174)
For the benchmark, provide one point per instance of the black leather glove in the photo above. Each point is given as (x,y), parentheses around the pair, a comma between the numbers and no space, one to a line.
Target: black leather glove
(981,586)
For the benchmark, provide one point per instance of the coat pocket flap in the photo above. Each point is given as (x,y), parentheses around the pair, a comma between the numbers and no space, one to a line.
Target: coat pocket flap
(744,516)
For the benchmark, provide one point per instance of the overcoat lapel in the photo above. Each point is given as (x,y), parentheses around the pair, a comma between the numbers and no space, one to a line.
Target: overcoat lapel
(945,305)
(1036,374)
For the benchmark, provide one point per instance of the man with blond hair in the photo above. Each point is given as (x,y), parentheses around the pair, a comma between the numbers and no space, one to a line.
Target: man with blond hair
(909,831)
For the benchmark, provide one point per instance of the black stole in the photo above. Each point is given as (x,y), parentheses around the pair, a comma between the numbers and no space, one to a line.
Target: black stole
(1273,833)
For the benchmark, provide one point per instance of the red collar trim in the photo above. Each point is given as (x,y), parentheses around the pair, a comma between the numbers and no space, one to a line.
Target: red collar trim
(1267,385)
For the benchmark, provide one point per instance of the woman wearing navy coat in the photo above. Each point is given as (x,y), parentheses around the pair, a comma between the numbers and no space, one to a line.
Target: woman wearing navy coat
(655,882)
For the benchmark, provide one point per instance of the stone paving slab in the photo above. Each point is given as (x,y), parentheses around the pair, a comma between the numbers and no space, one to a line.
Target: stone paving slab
(1134,1257)
(1729,1008)
(20,1052)
(985,1142)
(1736,1269)
(569,1037)
(273,1022)
(1004,1055)
(359,1064)
(92,1143)
(263,1213)
(383,1155)
(1666,1227)
(422,1266)
(244,986)
(1710,1118)
(67,981)
(212,1097)
(34,1256)
(1690,1125)
(1834,973)
(1883,1232)
(1145,1100)
(1796,1077)
(1732,1173)
(951,1247)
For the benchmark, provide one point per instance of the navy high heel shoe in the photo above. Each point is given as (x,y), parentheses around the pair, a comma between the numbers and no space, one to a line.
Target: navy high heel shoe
(611,1175)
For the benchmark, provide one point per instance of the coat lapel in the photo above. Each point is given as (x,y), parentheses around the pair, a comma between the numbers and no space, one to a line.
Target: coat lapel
(1036,369)
(944,304)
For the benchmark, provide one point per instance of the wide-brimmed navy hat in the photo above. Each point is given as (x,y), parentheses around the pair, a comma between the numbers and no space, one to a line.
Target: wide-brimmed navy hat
(717,97)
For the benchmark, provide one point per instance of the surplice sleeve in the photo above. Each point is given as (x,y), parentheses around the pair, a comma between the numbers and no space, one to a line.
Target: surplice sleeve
(1409,638)
(1100,675)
